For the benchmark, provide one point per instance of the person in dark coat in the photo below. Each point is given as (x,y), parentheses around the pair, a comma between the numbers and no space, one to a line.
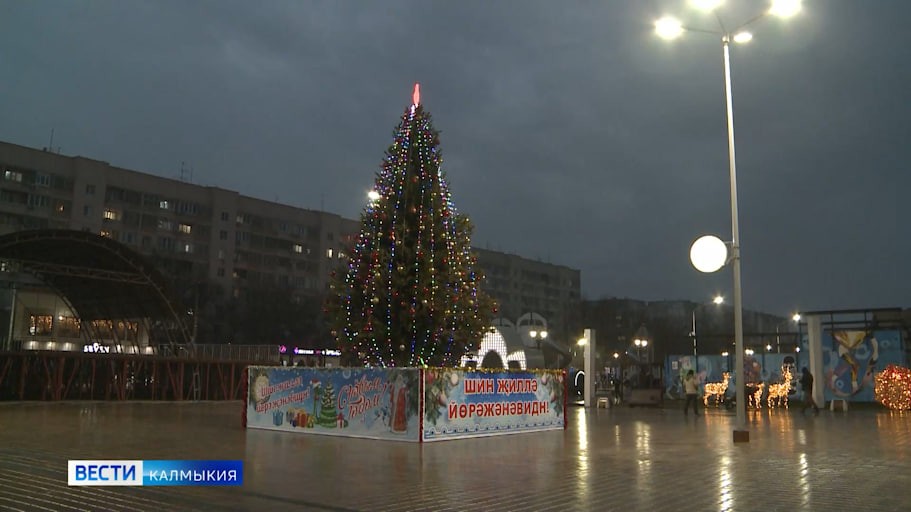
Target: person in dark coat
(806,384)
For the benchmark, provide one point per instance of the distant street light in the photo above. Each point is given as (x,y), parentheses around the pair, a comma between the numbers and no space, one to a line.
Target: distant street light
(718,300)
(538,336)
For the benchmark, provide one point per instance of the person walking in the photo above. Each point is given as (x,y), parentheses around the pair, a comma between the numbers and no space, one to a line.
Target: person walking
(806,384)
(691,387)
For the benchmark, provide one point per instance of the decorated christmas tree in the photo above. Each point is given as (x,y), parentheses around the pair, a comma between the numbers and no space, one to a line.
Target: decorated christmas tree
(327,406)
(410,295)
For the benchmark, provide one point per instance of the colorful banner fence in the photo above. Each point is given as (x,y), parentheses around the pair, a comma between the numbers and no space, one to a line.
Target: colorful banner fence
(404,404)
(377,403)
(461,403)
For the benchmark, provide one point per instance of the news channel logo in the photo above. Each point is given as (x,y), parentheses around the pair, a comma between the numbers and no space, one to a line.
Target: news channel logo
(155,472)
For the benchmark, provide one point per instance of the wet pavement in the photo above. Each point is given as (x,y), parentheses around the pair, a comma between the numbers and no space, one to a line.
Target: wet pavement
(608,459)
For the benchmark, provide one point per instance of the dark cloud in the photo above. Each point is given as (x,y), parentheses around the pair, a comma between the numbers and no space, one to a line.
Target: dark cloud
(569,132)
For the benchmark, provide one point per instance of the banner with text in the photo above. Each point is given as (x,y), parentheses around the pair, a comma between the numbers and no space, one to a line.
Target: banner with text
(380,403)
(466,403)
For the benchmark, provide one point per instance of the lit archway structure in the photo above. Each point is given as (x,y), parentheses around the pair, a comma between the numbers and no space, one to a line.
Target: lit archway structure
(98,278)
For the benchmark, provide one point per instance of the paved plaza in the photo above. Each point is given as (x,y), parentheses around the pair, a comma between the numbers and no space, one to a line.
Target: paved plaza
(649,459)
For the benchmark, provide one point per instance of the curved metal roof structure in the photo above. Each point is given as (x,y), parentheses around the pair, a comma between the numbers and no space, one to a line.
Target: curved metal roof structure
(100,278)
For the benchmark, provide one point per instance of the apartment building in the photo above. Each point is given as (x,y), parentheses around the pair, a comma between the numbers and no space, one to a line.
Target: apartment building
(201,232)
(527,288)
(208,234)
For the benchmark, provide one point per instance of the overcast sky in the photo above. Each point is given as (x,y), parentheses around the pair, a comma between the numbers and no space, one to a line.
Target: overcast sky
(569,132)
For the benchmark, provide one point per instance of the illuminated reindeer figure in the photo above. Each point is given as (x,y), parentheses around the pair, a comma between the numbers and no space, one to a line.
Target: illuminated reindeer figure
(717,389)
(755,399)
(779,391)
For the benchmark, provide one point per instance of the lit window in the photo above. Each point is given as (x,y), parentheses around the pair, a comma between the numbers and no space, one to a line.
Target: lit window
(221,255)
(341,255)
(165,225)
(185,229)
(106,233)
(163,205)
(329,253)
(110,215)
(13,176)
(298,248)
(187,248)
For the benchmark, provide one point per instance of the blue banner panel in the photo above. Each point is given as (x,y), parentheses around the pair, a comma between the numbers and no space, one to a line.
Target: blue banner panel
(377,403)
(852,357)
(461,403)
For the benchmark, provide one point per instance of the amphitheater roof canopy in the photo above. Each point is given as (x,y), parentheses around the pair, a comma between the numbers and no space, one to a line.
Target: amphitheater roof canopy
(99,277)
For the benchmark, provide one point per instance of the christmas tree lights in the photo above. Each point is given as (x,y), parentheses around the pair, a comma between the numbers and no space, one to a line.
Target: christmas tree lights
(892,387)
(410,295)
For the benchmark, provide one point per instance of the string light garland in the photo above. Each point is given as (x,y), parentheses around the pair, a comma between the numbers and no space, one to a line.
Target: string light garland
(410,296)
(892,387)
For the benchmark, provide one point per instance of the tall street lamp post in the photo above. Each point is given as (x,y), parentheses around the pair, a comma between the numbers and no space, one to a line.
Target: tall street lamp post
(670,28)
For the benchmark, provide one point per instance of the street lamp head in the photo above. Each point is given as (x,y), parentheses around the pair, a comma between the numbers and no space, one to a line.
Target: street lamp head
(543,334)
(668,28)
(743,37)
(724,354)
(706,5)
(373,195)
(718,299)
(616,355)
(533,334)
(582,342)
(768,347)
(796,317)
(708,253)
(785,8)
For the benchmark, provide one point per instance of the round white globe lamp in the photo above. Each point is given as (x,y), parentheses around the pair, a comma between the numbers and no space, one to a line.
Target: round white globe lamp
(708,253)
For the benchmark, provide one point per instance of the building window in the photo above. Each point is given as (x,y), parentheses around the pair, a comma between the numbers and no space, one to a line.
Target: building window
(86,210)
(185,228)
(12,176)
(221,272)
(106,233)
(298,248)
(165,225)
(164,204)
(329,253)
(129,238)
(221,255)
(38,201)
(223,235)
(166,244)
(225,216)
(341,254)
(187,248)
(111,214)
(42,180)
(90,190)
